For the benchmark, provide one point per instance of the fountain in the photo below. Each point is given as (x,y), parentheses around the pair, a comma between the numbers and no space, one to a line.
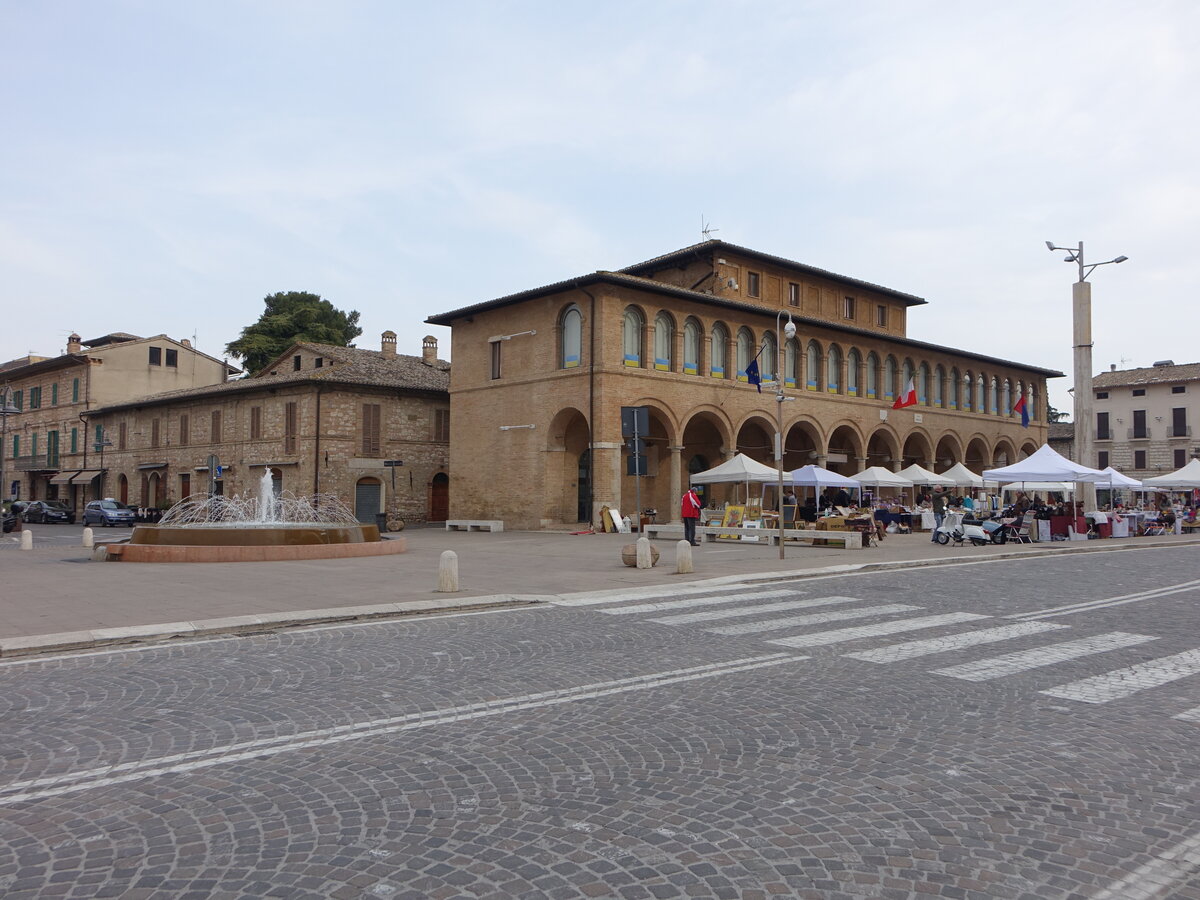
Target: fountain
(241,528)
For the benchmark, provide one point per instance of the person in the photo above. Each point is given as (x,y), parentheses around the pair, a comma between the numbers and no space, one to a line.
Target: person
(841,498)
(689,511)
(939,512)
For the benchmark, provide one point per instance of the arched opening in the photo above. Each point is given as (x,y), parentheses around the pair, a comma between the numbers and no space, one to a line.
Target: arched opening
(664,342)
(368,499)
(439,498)
(632,329)
(571,338)
(917,450)
(845,448)
(567,474)
(691,347)
(853,360)
(882,449)
(123,489)
(704,437)
(719,352)
(978,455)
(948,452)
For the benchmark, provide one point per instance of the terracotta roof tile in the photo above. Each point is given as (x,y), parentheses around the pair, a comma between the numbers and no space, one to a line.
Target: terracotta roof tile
(1148,375)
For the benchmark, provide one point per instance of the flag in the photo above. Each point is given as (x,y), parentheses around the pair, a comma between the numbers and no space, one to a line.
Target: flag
(908,398)
(1024,411)
(752,374)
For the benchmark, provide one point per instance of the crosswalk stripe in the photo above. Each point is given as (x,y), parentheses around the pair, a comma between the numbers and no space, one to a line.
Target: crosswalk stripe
(688,618)
(1125,682)
(1023,660)
(1106,602)
(695,601)
(910,649)
(840,635)
(814,619)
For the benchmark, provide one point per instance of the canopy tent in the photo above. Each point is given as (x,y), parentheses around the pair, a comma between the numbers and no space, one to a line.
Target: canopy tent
(1117,480)
(879,477)
(964,477)
(923,477)
(739,469)
(1061,486)
(817,477)
(1045,464)
(1185,479)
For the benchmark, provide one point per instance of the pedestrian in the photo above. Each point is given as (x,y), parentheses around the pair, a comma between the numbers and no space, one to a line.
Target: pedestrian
(939,511)
(689,511)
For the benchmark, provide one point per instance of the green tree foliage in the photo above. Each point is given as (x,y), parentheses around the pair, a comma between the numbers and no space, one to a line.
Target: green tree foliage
(292,316)
(1053,415)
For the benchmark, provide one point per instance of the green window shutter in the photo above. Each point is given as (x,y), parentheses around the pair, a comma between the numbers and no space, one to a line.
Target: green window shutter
(74,440)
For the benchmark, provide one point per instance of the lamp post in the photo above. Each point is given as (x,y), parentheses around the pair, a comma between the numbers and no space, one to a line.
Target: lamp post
(100,445)
(788,332)
(6,409)
(1081,325)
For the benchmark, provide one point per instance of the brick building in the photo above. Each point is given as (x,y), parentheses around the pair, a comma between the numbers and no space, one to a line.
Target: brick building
(320,418)
(540,376)
(47,449)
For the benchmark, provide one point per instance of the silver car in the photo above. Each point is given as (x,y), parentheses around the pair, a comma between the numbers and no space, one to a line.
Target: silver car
(107,512)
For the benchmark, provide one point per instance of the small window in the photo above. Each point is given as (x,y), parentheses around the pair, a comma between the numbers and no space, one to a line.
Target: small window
(881,317)
(156,356)
(319,362)
(172,358)
(54,395)
(1179,389)
(441,425)
(1102,459)
(295,363)
(847,307)
(184,435)
(1139,392)
(1180,458)
(216,426)
(290,427)
(35,398)
(256,423)
(495,360)
(1139,459)
(371,442)
(154,433)
(752,286)
(74,440)
(793,294)
(1101,395)
(75,390)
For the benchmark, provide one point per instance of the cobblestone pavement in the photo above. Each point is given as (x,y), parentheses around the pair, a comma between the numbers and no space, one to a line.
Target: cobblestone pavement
(1019,729)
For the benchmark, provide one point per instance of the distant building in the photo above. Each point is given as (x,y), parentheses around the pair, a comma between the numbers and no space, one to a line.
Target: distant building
(49,445)
(1144,418)
(370,426)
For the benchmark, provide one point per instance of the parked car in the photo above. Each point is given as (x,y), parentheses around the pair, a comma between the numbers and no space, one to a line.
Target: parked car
(46,511)
(10,521)
(107,512)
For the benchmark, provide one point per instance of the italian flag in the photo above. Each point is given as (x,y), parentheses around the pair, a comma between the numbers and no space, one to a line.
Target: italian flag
(908,397)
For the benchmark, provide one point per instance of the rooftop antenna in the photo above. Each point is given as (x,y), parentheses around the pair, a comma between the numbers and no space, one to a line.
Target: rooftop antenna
(706,230)
(1125,359)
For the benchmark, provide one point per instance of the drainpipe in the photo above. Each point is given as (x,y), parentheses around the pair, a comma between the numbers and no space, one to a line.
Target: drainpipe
(317,446)
(591,401)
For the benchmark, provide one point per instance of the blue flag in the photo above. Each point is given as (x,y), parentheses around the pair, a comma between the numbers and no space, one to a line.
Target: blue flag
(753,376)
(1024,411)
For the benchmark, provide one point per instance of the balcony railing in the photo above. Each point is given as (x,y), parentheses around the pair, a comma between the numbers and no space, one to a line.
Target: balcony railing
(1104,434)
(1179,431)
(35,463)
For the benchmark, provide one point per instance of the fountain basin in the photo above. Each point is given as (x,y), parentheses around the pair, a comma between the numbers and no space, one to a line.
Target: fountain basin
(253,543)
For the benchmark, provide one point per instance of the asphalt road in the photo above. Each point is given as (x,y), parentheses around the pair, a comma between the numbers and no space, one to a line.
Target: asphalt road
(1019,729)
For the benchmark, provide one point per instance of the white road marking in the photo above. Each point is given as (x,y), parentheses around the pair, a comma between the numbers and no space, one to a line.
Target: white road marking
(1104,603)
(1023,660)
(910,649)
(839,635)
(1158,877)
(695,601)
(1125,682)
(687,618)
(814,619)
(71,782)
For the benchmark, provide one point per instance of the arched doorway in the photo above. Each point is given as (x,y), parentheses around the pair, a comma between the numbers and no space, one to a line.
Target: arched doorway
(917,450)
(567,469)
(947,454)
(845,450)
(368,499)
(439,498)
(882,450)
(123,489)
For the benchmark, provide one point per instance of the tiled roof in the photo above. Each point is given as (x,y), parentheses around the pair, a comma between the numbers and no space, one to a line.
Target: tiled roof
(715,245)
(1149,375)
(350,365)
(1061,431)
(116,337)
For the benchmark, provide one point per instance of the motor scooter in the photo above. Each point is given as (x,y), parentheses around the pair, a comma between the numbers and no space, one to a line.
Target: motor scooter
(953,529)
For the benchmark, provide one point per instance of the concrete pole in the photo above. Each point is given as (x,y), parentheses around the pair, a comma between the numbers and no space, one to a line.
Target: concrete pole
(26,539)
(645,560)
(88,538)
(448,572)
(683,558)
(1081,318)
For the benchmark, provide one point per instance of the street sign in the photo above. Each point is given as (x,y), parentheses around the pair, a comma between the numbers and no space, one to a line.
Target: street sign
(220,471)
(393,462)
(635,420)
(635,464)
(636,445)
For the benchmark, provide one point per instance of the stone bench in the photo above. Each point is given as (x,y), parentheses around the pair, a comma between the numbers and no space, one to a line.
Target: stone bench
(474,525)
(850,540)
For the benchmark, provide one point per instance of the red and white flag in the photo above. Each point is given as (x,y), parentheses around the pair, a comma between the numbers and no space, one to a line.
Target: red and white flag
(908,397)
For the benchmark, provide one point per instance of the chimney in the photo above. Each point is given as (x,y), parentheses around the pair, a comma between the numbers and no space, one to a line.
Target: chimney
(1112,367)
(429,350)
(388,343)
(186,343)
(73,345)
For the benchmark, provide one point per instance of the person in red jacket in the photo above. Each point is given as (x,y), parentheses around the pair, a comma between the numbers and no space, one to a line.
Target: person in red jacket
(689,511)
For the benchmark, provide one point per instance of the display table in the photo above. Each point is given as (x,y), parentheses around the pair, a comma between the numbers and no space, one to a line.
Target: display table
(1062,524)
(837,523)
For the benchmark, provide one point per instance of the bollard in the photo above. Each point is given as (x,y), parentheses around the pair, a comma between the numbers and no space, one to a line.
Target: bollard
(89,539)
(448,572)
(26,539)
(683,558)
(644,560)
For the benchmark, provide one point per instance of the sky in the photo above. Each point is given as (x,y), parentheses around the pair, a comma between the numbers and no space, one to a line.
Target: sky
(166,166)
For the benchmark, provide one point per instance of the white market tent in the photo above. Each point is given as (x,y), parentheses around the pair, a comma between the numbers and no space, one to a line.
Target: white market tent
(1185,479)
(1045,464)
(815,476)
(879,477)
(1061,486)
(740,469)
(924,478)
(1117,480)
(964,477)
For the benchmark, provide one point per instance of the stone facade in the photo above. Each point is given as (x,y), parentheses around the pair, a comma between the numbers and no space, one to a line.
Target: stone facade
(540,377)
(1144,418)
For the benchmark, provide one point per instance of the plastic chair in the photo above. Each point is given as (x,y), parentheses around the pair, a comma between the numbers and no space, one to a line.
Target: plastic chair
(1154,529)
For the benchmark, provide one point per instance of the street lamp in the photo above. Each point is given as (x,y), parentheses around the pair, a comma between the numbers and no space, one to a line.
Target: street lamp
(789,332)
(101,443)
(1081,322)
(6,409)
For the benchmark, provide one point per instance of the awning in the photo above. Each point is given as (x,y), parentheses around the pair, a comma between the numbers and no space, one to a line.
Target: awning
(85,476)
(64,477)
(161,465)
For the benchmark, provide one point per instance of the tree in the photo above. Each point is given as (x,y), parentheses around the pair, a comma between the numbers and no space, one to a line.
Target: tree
(292,316)
(1053,415)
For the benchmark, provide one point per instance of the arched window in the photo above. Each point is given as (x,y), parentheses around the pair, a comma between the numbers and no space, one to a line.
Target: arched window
(633,337)
(906,374)
(955,387)
(664,339)
(571,338)
(691,347)
(968,397)
(872,376)
(745,352)
(833,370)
(1006,410)
(995,397)
(1033,409)
(852,364)
(813,375)
(889,379)
(791,362)
(980,394)
(923,384)
(939,378)
(720,349)
(768,358)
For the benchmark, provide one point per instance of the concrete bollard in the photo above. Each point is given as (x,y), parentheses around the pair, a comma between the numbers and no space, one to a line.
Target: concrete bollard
(683,558)
(26,539)
(644,559)
(89,539)
(448,572)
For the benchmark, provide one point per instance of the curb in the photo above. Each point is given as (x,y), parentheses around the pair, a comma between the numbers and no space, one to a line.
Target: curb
(29,645)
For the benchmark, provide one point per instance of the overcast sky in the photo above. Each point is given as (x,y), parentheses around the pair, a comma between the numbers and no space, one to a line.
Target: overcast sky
(166,165)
